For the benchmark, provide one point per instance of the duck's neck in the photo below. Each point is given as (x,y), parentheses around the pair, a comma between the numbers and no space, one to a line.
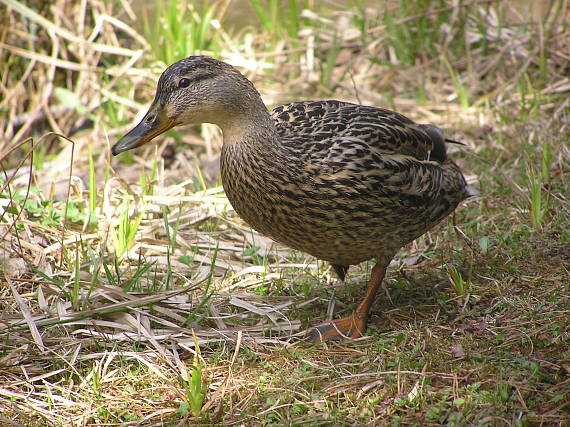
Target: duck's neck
(259,128)
(245,118)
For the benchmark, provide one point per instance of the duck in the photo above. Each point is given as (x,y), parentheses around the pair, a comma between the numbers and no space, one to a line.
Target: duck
(343,182)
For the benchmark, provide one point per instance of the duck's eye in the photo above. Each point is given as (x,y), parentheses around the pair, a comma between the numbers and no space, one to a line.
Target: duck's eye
(184,82)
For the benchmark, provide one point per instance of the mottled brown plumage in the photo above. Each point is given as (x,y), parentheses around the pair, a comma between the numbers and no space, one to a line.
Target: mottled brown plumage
(342,182)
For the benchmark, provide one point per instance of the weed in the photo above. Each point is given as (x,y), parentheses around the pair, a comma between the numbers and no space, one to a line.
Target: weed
(277,19)
(126,231)
(92,189)
(180,29)
(460,89)
(538,199)
(195,387)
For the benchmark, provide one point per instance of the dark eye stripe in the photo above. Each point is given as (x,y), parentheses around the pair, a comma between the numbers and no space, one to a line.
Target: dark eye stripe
(185,81)
(202,76)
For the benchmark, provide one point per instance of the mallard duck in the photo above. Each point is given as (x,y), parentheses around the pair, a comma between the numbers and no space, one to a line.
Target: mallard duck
(343,182)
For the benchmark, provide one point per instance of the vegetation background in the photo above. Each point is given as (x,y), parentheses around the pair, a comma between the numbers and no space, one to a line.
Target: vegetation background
(132,294)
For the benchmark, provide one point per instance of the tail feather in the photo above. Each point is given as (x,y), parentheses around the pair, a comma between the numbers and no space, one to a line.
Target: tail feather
(453,141)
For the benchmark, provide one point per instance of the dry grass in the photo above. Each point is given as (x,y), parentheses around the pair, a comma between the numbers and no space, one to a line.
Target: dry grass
(475,327)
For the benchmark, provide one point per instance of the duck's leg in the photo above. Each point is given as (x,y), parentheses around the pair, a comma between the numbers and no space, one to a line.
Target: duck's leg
(353,326)
(340,270)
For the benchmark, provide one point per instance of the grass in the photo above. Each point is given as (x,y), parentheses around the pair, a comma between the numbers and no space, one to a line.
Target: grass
(187,316)
(277,19)
(176,29)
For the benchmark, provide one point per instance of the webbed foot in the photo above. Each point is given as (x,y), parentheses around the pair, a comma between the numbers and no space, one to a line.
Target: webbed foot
(347,327)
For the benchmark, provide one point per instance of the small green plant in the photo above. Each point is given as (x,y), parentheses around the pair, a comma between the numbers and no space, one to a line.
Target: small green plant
(484,245)
(252,251)
(96,380)
(186,259)
(460,88)
(95,263)
(180,29)
(23,195)
(59,283)
(459,284)
(49,213)
(114,277)
(207,292)
(398,38)
(75,288)
(126,231)
(71,293)
(195,387)
(539,195)
(529,98)
(76,213)
(92,188)
(198,182)
(172,243)
(538,200)
(361,19)
(546,162)
(277,19)
(113,113)
(329,63)
(423,36)
(147,184)
(70,100)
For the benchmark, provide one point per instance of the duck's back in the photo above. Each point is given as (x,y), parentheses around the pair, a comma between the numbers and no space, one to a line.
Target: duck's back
(346,182)
(312,125)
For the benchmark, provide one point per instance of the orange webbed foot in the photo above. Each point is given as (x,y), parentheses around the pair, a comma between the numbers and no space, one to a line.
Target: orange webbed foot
(347,327)
(352,326)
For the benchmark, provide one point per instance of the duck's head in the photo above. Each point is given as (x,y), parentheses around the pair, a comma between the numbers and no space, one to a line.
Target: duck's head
(197,89)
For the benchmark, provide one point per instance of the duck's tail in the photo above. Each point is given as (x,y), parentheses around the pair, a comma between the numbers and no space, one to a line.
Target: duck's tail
(453,141)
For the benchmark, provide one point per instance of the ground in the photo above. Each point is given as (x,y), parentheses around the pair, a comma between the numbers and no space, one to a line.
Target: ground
(132,294)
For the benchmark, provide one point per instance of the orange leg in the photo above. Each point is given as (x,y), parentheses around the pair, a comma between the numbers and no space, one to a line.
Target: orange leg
(352,326)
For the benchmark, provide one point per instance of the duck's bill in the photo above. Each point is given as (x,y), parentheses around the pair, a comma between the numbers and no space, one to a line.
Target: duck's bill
(154,123)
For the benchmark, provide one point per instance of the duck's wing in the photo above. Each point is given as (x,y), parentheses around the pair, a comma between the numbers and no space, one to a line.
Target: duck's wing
(357,152)
(325,125)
